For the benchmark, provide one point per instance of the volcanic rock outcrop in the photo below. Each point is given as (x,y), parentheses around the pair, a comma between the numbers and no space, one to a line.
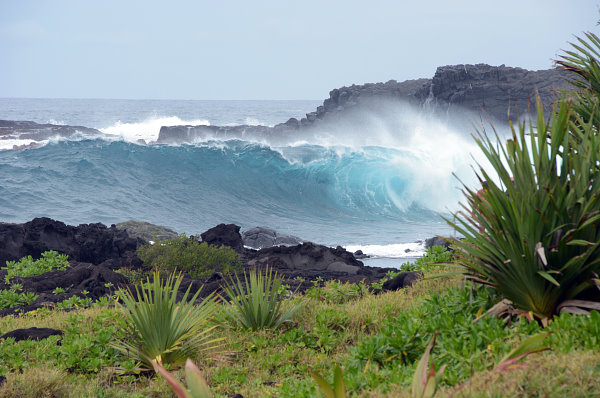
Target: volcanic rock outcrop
(26,130)
(89,243)
(31,334)
(490,92)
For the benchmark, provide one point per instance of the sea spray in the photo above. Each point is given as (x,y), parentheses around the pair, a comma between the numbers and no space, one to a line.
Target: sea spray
(382,178)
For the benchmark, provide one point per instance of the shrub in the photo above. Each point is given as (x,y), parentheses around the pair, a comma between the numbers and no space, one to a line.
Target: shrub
(536,239)
(533,232)
(27,266)
(162,329)
(12,297)
(434,256)
(256,302)
(187,254)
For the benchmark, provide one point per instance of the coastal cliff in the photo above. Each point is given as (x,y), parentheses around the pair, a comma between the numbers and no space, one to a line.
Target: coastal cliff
(495,93)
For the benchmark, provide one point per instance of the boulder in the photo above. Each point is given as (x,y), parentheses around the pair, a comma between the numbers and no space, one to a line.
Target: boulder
(146,231)
(224,234)
(437,241)
(360,255)
(402,280)
(262,237)
(31,334)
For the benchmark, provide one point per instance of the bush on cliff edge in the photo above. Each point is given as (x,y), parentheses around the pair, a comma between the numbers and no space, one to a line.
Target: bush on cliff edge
(188,255)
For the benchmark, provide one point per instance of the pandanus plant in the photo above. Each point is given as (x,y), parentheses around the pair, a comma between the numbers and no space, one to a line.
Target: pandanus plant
(163,330)
(533,232)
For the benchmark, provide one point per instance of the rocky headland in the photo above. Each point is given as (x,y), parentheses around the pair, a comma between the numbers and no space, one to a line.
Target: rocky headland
(494,93)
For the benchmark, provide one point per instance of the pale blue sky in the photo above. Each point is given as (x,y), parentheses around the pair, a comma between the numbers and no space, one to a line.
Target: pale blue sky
(259,49)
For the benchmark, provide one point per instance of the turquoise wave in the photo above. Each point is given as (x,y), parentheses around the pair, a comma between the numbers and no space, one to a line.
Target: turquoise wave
(336,195)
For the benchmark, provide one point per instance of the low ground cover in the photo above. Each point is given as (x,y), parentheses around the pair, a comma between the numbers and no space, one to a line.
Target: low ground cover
(377,339)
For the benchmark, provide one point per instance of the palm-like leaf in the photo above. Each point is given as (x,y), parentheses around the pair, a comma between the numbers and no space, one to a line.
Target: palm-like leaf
(256,302)
(540,243)
(584,65)
(162,329)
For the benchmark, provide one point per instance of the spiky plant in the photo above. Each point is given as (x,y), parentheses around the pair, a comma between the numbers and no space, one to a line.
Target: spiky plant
(583,63)
(162,329)
(533,232)
(256,302)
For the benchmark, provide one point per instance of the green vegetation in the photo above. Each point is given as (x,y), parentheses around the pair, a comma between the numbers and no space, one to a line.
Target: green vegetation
(162,329)
(434,256)
(84,347)
(58,290)
(377,339)
(197,387)
(27,266)
(13,296)
(188,255)
(256,302)
(582,62)
(74,302)
(533,232)
(337,390)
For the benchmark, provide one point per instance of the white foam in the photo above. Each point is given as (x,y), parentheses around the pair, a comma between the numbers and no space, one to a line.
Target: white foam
(18,144)
(250,121)
(397,250)
(148,129)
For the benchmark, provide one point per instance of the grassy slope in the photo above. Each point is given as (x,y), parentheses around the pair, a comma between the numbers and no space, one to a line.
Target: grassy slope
(334,327)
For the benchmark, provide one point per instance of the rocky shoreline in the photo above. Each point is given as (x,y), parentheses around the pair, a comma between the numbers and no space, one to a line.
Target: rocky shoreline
(96,251)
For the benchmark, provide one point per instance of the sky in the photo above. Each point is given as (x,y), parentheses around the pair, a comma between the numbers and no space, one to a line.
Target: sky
(256,49)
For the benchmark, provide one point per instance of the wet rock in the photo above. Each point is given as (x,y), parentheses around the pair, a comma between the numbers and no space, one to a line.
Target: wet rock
(31,334)
(360,255)
(26,130)
(262,237)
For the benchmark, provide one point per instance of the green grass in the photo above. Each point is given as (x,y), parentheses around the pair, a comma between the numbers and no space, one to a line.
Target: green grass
(377,340)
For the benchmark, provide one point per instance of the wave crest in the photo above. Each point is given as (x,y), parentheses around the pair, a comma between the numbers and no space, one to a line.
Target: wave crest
(148,129)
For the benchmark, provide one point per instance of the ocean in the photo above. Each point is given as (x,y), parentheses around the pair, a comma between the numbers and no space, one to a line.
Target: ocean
(377,187)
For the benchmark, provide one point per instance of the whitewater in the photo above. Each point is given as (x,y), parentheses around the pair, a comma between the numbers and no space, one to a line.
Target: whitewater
(381,187)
